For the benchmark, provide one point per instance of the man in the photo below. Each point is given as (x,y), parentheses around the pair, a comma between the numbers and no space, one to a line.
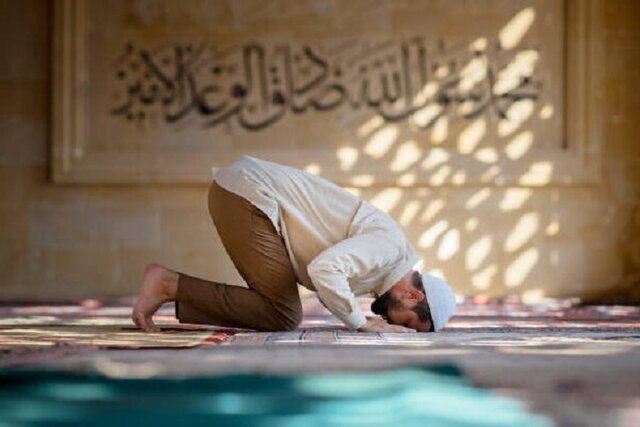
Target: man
(282,226)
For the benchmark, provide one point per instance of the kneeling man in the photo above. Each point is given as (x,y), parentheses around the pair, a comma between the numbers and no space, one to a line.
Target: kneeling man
(282,226)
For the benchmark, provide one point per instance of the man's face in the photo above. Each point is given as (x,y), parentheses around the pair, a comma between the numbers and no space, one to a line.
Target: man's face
(406,308)
(407,318)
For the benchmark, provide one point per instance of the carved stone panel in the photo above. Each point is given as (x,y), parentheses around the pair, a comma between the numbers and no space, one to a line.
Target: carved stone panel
(366,93)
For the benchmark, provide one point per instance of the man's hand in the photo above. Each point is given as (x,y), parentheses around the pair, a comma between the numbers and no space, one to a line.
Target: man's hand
(376,324)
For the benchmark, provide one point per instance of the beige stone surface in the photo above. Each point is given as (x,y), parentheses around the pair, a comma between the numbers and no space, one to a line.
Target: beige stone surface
(61,240)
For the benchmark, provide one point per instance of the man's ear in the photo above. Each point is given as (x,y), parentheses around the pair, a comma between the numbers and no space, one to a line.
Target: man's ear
(414,294)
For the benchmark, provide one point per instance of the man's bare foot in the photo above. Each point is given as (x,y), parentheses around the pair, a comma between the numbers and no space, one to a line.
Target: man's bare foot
(160,285)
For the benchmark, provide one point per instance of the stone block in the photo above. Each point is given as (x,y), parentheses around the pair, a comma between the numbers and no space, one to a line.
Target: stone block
(78,225)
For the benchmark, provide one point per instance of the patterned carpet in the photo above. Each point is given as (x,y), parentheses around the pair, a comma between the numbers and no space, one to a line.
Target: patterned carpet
(31,334)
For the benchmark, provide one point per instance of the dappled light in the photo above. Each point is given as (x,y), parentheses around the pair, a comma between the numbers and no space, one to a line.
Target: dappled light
(484,278)
(539,173)
(387,199)
(519,145)
(347,156)
(487,155)
(440,131)
(449,245)
(518,271)
(313,168)
(481,221)
(428,237)
(546,112)
(381,142)
(433,208)
(477,252)
(515,198)
(409,213)
(440,176)
(364,180)
(525,229)
(511,34)
(477,198)
(435,157)
(407,154)
(518,113)
(406,180)
(471,136)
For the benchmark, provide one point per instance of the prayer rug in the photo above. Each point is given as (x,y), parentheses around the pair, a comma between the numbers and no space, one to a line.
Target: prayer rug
(34,334)
(408,397)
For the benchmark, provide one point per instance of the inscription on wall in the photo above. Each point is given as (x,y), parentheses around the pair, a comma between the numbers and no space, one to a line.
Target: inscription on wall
(256,85)
(409,92)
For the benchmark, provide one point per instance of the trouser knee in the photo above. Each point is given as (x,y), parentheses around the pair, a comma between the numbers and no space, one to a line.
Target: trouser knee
(286,318)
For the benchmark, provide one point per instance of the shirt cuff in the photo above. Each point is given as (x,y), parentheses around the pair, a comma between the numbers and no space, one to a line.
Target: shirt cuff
(355,320)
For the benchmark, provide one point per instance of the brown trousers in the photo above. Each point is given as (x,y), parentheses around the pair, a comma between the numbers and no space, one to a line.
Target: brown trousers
(272,302)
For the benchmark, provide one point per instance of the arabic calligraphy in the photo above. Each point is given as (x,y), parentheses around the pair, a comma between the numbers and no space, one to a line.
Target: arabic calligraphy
(256,85)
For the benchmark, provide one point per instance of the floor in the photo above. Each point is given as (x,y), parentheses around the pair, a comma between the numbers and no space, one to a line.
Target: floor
(577,365)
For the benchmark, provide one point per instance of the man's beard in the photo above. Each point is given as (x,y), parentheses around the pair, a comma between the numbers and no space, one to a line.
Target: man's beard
(422,310)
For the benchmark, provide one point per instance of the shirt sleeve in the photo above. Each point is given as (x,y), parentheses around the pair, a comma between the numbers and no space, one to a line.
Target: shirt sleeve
(352,257)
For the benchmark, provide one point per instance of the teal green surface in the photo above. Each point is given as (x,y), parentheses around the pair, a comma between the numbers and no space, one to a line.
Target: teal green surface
(403,397)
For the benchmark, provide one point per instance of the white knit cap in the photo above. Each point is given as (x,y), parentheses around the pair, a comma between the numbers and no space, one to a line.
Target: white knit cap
(440,298)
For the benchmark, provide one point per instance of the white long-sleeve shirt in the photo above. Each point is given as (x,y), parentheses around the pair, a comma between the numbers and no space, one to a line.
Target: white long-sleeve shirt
(340,246)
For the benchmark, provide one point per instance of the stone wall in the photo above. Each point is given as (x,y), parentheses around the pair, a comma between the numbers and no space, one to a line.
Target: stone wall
(543,238)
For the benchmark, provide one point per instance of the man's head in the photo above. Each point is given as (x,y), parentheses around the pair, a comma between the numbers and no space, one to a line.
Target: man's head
(411,304)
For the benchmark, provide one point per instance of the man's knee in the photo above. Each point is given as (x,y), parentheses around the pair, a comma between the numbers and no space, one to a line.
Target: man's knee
(286,318)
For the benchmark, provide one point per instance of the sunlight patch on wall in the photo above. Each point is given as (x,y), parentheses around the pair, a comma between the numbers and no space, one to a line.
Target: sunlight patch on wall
(532,296)
(519,145)
(436,157)
(381,142)
(364,180)
(546,112)
(520,268)
(482,280)
(427,238)
(473,73)
(487,155)
(427,91)
(471,224)
(539,173)
(440,176)
(387,199)
(407,180)
(438,273)
(442,71)
(409,212)
(471,136)
(407,154)
(449,245)
(347,157)
(369,126)
(432,210)
(514,198)
(510,77)
(459,177)
(516,115)
(513,32)
(553,228)
(480,44)
(478,252)
(440,130)
(524,230)
(425,115)
(313,168)
(477,198)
